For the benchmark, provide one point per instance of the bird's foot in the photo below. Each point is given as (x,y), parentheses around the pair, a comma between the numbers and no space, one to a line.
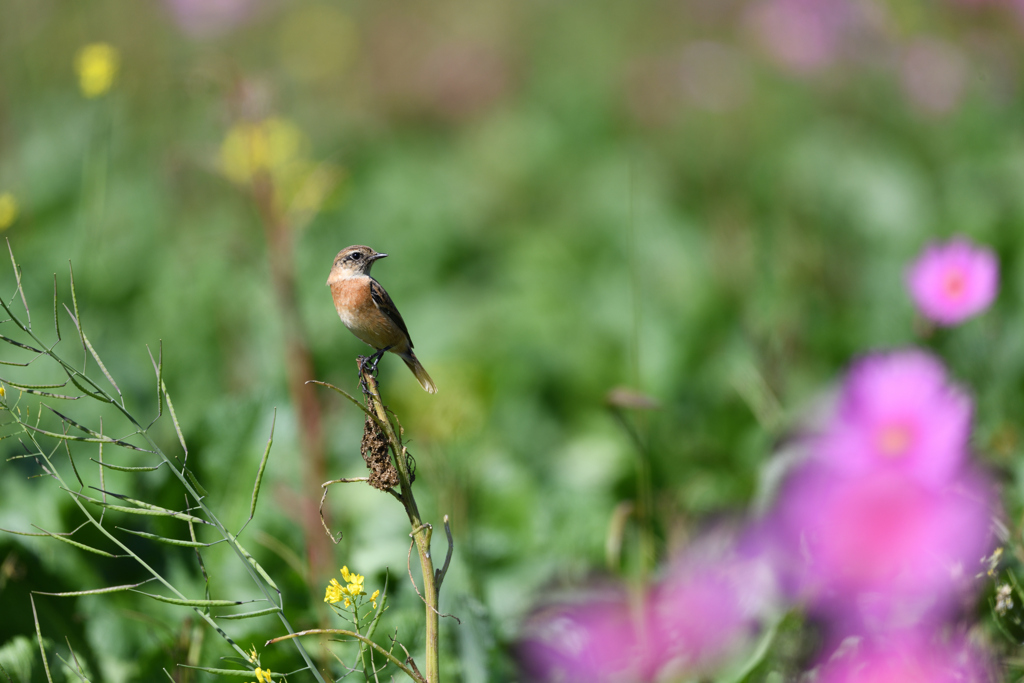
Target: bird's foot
(372,362)
(375,358)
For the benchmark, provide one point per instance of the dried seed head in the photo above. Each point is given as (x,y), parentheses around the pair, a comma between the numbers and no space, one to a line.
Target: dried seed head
(374,450)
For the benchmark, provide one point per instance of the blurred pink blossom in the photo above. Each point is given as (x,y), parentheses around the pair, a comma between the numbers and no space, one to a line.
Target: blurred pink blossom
(898,412)
(880,551)
(908,658)
(800,35)
(953,281)
(210,17)
(697,612)
(934,75)
(685,624)
(597,641)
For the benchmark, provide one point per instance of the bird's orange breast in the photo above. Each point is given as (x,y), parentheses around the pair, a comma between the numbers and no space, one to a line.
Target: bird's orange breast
(361,316)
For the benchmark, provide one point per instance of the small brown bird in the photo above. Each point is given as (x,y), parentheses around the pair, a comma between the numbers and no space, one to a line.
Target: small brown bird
(368,312)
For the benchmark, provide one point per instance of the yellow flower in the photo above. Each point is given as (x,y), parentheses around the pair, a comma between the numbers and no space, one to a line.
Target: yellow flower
(354,581)
(263,675)
(8,210)
(96,65)
(373,598)
(276,151)
(345,594)
(334,591)
(274,146)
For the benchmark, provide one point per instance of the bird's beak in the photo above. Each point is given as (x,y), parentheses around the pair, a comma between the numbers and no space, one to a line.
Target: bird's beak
(377,256)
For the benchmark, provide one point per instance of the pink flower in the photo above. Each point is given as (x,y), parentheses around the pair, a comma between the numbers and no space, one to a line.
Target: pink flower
(898,412)
(880,551)
(597,641)
(802,36)
(698,612)
(953,281)
(905,659)
(210,17)
(685,624)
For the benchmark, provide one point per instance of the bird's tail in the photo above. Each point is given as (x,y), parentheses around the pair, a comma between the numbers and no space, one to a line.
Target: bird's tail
(421,374)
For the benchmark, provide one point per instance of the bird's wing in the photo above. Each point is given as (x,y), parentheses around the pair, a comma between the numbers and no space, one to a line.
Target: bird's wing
(387,307)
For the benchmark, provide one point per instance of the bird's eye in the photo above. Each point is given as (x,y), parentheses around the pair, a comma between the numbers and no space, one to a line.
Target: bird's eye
(356,256)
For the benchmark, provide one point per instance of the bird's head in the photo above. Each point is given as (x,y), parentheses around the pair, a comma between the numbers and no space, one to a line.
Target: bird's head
(354,260)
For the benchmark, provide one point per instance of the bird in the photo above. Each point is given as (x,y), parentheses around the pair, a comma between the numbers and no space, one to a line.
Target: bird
(369,313)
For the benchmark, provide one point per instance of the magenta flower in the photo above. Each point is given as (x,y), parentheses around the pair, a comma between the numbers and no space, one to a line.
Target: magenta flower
(898,412)
(905,659)
(953,281)
(597,641)
(685,624)
(880,551)
(802,36)
(699,611)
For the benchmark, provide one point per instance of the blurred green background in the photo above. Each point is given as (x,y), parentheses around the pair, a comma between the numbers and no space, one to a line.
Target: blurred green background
(709,202)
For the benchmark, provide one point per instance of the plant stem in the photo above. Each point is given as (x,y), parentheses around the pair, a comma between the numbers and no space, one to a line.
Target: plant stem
(421,532)
(299,365)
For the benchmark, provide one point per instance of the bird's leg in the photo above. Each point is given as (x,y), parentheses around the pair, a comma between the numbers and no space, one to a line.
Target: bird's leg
(375,358)
(372,360)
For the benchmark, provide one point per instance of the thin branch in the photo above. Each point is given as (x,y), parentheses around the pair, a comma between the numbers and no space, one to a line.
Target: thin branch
(440,574)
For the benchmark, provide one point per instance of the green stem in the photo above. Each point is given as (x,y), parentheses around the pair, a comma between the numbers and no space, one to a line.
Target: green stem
(421,532)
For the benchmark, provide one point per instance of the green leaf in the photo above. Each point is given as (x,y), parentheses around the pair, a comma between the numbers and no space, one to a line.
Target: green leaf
(17,659)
